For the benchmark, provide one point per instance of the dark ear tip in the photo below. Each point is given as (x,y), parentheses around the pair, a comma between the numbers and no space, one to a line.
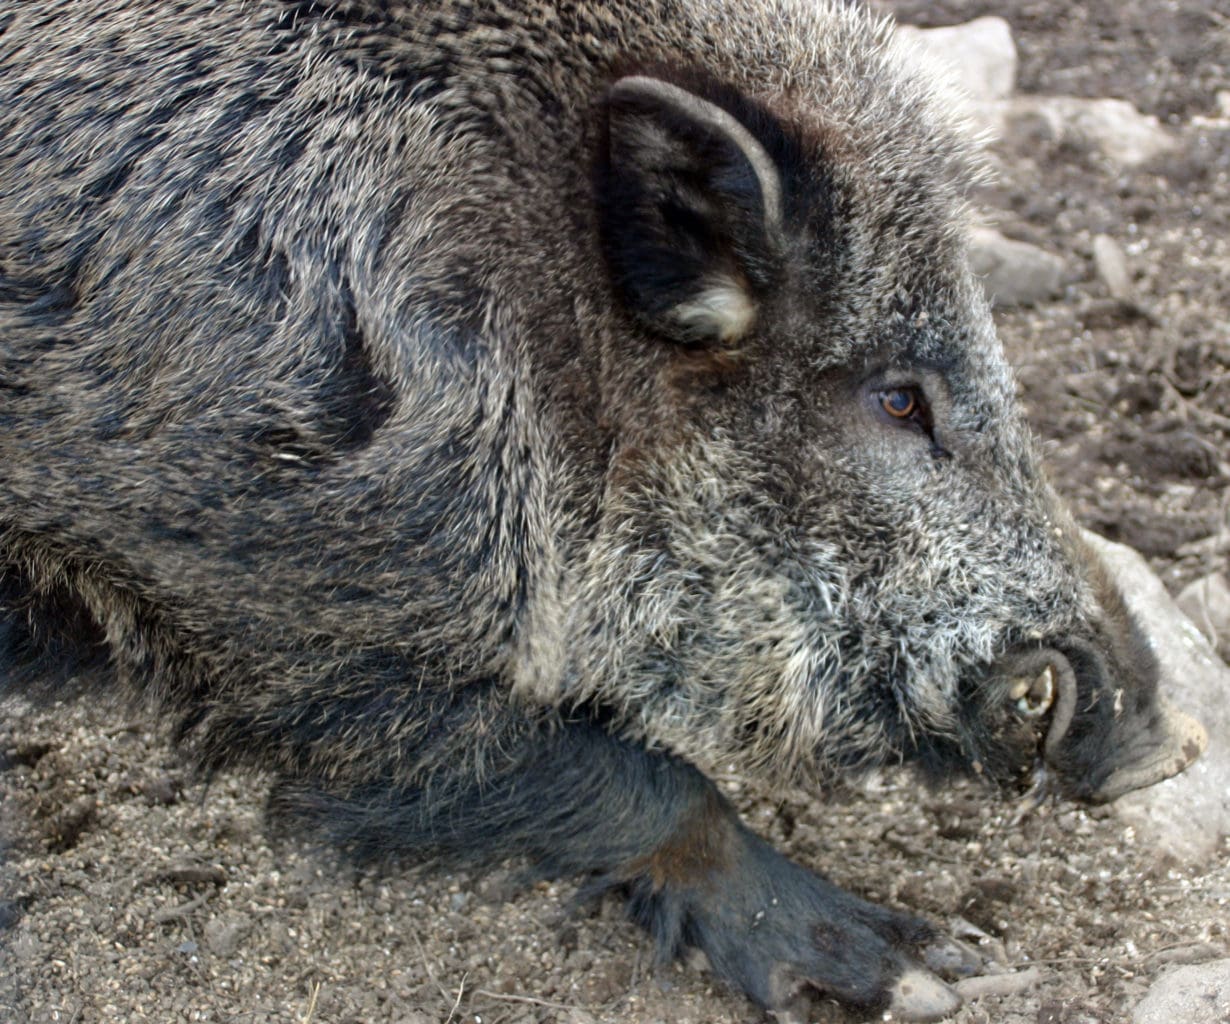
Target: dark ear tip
(634,85)
(646,91)
(695,118)
(627,88)
(639,96)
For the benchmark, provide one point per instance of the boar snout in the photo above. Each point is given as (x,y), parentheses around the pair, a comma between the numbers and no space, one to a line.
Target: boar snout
(1101,736)
(1171,741)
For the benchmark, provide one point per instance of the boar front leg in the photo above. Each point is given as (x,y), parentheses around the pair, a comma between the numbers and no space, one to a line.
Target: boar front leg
(575,799)
(774,928)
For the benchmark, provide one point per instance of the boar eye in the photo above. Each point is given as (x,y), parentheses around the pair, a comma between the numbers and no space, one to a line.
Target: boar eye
(900,403)
(907,406)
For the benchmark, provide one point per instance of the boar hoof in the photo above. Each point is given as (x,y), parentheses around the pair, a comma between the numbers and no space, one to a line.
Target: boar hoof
(921,996)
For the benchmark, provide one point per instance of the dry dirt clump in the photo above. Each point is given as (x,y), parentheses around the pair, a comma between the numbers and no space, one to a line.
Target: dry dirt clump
(133,892)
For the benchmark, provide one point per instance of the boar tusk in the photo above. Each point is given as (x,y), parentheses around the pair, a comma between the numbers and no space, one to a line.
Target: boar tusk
(1064,680)
(1034,698)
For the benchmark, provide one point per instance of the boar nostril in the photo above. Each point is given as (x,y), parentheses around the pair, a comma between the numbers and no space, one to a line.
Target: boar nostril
(1195,738)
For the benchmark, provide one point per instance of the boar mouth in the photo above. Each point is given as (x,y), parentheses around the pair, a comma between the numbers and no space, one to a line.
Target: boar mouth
(1138,749)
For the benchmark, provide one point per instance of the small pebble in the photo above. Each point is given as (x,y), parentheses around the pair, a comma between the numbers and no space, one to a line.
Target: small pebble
(998,984)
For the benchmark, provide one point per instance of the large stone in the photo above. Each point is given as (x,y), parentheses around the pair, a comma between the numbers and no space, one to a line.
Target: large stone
(1113,128)
(1014,273)
(1187,815)
(1207,603)
(978,57)
(1199,994)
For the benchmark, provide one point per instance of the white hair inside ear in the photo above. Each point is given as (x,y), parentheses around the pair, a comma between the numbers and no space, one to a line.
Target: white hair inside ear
(721,310)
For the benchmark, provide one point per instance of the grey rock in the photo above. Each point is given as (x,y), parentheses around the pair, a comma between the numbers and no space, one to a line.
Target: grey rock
(1207,603)
(978,57)
(1112,266)
(1014,273)
(1184,816)
(1199,994)
(1113,128)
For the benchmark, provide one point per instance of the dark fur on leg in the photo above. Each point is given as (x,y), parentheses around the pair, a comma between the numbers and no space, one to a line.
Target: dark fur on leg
(495,783)
(575,799)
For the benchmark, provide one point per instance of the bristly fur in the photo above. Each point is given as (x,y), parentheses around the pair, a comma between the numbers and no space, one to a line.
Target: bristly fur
(469,412)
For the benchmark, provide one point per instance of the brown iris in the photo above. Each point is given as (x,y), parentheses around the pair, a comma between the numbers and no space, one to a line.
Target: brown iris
(900,403)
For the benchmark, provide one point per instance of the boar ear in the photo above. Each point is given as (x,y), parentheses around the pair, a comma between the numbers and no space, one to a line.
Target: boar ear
(690,208)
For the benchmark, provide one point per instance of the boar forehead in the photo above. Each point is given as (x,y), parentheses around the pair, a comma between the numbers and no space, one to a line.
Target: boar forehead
(875,216)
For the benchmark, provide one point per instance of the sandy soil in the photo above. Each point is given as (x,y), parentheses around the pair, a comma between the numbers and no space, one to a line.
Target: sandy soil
(134,892)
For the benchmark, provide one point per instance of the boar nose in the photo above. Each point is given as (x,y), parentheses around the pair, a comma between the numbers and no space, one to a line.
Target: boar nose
(1176,741)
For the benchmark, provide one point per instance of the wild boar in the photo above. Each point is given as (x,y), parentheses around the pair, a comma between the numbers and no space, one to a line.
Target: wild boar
(492,416)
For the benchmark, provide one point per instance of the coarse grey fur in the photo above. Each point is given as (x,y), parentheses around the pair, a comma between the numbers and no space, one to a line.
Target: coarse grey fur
(338,391)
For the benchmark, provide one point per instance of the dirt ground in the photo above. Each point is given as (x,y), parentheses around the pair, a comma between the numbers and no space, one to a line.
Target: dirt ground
(133,892)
